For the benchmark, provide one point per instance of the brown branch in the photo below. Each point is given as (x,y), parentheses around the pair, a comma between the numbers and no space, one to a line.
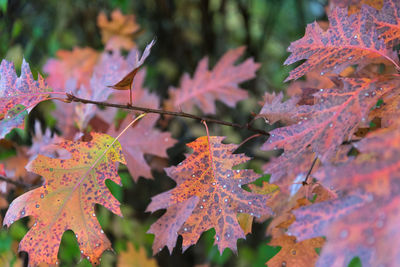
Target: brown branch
(16,183)
(310,170)
(72,98)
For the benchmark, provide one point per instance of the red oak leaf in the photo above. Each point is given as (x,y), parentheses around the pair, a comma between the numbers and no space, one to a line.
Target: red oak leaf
(349,40)
(18,95)
(363,225)
(332,120)
(208,195)
(67,199)
(387,21)
(219,84)
(141,139)
(274,109)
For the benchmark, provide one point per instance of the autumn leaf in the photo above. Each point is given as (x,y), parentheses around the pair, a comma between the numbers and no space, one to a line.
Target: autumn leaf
(18,95)
(349,40)
(67,199)
(118,32)
(135,258)
(274,109)
(332,120)
(77,64)
(295,253)
(354,6)
(143,139)
(387,21)
(363,223)
(221,83)
(127,80)
(208,195)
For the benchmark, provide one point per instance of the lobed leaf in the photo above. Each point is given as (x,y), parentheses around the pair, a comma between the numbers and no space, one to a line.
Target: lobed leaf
(18,95)
(349,40)
(67,199)
(208,195)
(219,84)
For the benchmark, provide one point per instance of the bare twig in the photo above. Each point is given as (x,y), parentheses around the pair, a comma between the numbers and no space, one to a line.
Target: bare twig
(16,183)
(247,126)
(310,170)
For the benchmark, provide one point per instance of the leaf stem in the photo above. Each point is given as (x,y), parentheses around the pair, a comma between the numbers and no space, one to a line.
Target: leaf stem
(72,98)
(310,170)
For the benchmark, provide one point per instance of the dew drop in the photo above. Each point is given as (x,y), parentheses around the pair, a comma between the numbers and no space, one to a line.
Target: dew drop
(331,125)
(240,210)
(217,238)
(35,224)
(355,36)
(237,171)
(201,207)
(249,202)
(94,215)
(228,235)
(41,196)
(37,206)
(193,175)
(82,251)
(219,210)
(88,257)
(226,200)
(252,214)
(204,200)
(213,183)
(224,186)
(22,212)
(101,231)
(293,252)
(322,73)
(76,235)
(321,90)
(239,185)
(272,135)
(180,164)
(185,229)
(366,94)
(349,58)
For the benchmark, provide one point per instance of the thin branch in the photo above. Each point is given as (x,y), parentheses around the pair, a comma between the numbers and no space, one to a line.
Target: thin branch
(72,98)
(16,183)
(310,170)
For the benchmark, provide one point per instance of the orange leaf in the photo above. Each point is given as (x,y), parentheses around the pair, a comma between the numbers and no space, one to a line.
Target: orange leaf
(135,258)
(119,32)
(208,195)
(295,253)
(67,200)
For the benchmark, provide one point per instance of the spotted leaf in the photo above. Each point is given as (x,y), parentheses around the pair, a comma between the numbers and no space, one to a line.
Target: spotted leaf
(332,120)
(208,195)
(67,199)
(387,21)
(294,253)
(349,40)
(18,95)
(363,223)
